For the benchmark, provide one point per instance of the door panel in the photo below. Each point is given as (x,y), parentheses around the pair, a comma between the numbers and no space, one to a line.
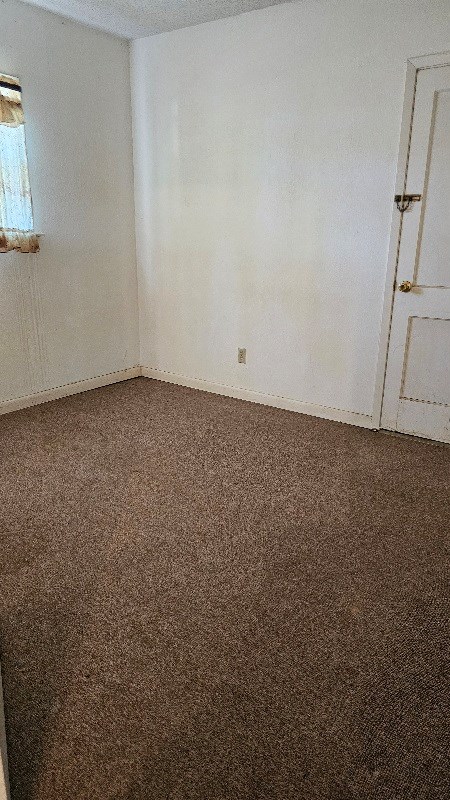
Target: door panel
(417,387)
(434,238)
(427,363)
(417,419)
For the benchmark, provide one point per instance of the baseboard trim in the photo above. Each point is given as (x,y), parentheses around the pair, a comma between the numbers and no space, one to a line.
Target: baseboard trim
(276,401)
(56,393)
(4,779)
(286,403)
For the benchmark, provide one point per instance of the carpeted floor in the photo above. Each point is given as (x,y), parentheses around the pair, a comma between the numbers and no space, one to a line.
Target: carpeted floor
(206,599)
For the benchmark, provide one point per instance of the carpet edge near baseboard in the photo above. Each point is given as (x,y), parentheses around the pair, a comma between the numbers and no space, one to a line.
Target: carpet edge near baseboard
(249,395)
(237,392)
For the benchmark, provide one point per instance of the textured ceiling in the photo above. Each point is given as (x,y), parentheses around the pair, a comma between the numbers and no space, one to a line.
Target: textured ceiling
(134,18)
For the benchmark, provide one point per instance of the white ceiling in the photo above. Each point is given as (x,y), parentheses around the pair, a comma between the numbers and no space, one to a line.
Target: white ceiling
(134,18)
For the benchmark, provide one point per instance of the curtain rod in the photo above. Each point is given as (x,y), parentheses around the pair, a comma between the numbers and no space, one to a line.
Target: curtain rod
(14,86)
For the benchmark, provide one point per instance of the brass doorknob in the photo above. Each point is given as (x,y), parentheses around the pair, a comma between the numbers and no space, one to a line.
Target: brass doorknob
(405,286)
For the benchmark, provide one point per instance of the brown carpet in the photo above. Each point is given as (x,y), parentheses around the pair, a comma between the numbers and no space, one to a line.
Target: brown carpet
(206,599)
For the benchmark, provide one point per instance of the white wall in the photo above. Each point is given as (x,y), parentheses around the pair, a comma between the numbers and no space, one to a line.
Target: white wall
(70,312)
(265,155)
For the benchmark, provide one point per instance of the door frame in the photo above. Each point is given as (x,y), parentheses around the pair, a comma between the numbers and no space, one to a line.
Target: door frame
(413,65)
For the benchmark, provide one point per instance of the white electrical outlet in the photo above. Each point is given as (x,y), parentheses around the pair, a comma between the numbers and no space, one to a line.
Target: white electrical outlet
(242,355)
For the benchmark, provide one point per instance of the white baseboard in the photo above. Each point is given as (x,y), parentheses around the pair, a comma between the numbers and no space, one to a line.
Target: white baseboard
(69,388)
(336,414)
(4,782)
(276,401)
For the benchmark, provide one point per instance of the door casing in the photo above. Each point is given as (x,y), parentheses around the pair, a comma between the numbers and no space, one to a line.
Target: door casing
(412,68)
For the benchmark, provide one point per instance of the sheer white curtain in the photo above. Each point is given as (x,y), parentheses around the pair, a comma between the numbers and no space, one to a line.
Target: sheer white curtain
(16,213)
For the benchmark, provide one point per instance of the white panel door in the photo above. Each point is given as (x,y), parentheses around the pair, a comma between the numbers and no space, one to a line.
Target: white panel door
(417,386)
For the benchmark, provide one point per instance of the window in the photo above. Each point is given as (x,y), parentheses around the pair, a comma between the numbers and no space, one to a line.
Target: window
(16,213)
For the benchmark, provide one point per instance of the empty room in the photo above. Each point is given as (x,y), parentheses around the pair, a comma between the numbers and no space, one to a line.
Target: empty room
(224,399)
